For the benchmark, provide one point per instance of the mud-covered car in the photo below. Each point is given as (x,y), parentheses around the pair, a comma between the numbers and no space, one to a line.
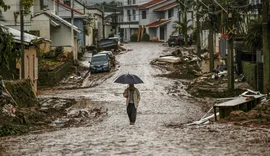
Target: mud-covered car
(100,63)
(176,40)
(110,55)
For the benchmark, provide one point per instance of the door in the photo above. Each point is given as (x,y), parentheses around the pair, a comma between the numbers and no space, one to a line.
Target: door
(162,31)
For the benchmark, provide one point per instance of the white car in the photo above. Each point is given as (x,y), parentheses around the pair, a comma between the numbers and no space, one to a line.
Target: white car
(116,39)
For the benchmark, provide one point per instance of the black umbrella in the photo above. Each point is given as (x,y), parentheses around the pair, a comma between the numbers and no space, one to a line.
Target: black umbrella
(128,79)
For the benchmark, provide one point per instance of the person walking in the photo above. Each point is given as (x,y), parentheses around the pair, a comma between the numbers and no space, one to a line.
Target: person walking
(133,97)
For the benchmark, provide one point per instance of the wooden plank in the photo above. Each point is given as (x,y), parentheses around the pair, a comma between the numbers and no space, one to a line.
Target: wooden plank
(231,103)
(239,100)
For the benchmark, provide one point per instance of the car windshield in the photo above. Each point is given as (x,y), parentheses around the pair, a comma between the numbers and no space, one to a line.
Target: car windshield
(99,58)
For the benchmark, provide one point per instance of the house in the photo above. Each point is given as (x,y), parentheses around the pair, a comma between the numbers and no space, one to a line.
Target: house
(112,23)
(98,26)
(131,16)
(63,9)
(32,45)
(158,17)
(43,23)
(58,30)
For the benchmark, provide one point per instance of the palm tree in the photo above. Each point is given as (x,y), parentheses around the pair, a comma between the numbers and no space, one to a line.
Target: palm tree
(254,35)
(183,27)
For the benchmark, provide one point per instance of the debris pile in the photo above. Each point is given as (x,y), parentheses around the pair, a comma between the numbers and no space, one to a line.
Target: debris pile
(181,64)
(259,116)
(18,105)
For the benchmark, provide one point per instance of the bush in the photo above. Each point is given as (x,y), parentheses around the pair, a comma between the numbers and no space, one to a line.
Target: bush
(134,38)
(146,37)
(59,51)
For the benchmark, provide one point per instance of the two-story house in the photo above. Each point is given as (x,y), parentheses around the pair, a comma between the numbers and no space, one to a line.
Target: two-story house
(131,17)
(112,20)
(80,12)
(158,17)
(98,26)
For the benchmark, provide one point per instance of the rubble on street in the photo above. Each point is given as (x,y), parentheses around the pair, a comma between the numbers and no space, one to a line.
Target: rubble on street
(213,85)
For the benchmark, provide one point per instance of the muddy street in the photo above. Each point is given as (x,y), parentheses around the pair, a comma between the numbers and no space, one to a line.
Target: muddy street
(158,129)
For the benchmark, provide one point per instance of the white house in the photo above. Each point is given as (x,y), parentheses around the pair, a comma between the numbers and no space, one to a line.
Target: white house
(44,24)
(56,29)
(97,28)
(131,17)
(158,17)
(112,22)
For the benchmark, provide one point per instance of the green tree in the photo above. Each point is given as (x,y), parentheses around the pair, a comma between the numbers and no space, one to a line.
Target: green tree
(182,26)
(27,4)
(7,45)
(253,39)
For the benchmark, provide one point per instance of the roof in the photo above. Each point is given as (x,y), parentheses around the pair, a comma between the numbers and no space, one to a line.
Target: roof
(28,38)
(158,23)
(59,19)
(68,7)
(151,4)
(166,7)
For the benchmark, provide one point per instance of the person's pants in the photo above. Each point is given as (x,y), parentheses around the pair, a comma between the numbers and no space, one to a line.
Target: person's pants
(132,112)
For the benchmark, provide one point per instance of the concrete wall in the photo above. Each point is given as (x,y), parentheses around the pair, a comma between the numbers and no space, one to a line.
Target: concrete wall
(98,23)
(60,36)
(31,66)
(41,23)
(8,15)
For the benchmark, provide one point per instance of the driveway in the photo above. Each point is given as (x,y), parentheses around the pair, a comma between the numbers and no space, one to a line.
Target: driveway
(158,130)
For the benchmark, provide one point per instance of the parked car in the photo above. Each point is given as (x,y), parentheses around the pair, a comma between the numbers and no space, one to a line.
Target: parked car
(100,63)
(176,40)
(117,39)
(108,44)
(110,55)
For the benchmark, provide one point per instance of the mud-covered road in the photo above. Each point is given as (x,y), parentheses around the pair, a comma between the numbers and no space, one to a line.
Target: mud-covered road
(160,107)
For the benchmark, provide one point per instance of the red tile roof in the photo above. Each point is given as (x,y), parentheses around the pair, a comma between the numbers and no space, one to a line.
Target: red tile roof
(166,7)
(158,23)
(151,3)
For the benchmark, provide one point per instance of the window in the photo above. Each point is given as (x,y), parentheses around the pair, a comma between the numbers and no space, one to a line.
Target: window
(143,14)
(134,1)
(134,14)
(67,2)
(129,2)
(128,15)
(170,13)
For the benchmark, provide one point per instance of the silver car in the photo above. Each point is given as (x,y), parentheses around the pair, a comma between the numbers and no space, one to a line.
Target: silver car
(100,63)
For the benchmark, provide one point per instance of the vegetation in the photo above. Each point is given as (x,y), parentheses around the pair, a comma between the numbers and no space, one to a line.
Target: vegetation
(8,52)
(134,38)
(253,38)
(27,4)
(146,37)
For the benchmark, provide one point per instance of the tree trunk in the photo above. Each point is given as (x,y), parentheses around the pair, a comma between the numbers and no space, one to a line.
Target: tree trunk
(211,48)
(230,64)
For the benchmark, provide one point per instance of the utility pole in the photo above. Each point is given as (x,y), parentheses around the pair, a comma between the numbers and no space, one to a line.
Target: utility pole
(266,55)
(198,25)
(22,39)
(1,86)
(72,32)
(210,37)
(230,58)
(54,7)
